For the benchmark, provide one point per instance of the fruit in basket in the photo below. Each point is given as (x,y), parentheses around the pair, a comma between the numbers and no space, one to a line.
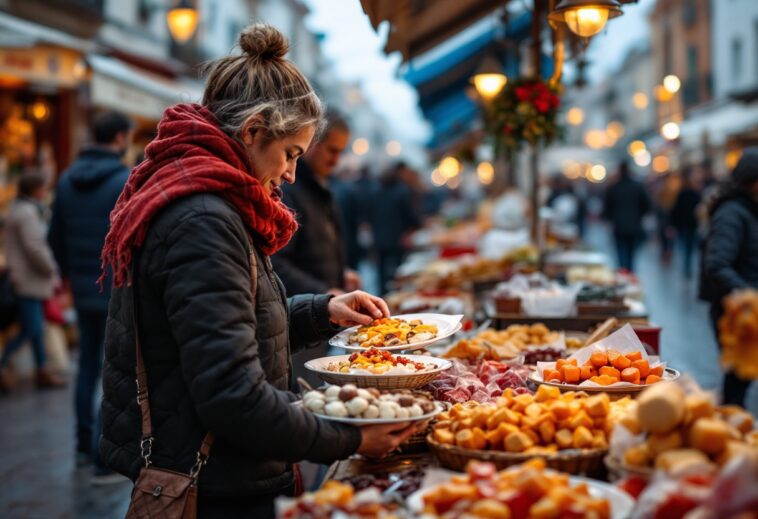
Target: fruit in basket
(524,491)
(684,431)
(738,333)
(542,423)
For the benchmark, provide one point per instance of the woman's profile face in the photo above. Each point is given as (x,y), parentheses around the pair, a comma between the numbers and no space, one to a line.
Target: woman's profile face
(274,161)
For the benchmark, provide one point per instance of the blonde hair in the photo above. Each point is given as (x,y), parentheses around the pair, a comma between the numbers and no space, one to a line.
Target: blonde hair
(261,82)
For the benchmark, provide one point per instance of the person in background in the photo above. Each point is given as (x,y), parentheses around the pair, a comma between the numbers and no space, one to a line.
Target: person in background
(392,216)
(189,246)
(33,274)
(314,260)
(684,218)
(665,197)
(625,204)
(731,250)
(351,214)
(85,196)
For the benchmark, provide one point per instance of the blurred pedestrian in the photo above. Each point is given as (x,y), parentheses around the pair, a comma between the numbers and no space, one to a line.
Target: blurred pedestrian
(684,218)
(189,247)
(33,274)
(665,198)
(314,259)
(392,217)
(625,204)
(731,250)
(351,214)
(85,196)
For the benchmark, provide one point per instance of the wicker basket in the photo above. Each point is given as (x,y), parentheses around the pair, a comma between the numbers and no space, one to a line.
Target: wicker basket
(411,381)
(618,470)
(614,393)
(574,461)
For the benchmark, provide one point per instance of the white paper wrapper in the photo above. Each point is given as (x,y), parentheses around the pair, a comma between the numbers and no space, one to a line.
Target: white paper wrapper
(540,296)
(623,340)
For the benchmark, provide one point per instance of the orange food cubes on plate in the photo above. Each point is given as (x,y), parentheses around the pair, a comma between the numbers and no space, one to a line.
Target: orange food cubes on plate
(605,368)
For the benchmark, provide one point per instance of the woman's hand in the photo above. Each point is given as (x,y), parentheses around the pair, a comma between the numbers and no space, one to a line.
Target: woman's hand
(377,441)
(356,308)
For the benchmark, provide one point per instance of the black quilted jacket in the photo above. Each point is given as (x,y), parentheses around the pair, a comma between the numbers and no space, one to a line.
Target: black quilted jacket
(731,251)
(216,360)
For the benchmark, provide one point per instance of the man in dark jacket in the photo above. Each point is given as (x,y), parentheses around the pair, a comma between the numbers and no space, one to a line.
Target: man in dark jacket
(626,203)
(85,196)
(314,260)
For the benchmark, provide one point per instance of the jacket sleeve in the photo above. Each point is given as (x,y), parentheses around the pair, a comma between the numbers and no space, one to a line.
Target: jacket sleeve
(309,320)
(56,237)
(211,313)
(32,238)
(722,248)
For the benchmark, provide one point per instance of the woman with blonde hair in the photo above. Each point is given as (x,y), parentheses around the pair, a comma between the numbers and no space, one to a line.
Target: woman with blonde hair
(189,249)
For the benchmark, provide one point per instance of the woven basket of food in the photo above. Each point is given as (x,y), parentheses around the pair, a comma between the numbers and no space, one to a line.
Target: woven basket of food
(571,461)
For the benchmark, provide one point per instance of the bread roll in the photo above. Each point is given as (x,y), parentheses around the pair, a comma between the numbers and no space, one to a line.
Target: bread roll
(661,407)
(709,435)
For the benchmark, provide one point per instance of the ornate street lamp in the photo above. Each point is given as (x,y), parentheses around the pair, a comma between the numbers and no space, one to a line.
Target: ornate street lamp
(586,17)
(182,21)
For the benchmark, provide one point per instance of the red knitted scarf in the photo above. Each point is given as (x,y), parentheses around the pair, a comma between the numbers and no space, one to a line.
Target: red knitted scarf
(191,155)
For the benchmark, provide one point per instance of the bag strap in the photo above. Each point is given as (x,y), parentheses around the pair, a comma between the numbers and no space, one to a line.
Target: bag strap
(146,443)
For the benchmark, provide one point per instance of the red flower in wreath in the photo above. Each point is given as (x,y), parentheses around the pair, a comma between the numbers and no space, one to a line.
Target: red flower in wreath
(523,93)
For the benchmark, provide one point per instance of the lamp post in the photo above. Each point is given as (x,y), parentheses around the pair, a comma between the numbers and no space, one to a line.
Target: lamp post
(182,20)
(586,18)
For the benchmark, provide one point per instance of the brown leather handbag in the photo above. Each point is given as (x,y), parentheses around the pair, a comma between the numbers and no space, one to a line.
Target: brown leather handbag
(161,493)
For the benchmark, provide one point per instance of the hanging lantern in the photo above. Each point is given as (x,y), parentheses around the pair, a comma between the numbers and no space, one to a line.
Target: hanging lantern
(182,21)
(586,17)
(489,79)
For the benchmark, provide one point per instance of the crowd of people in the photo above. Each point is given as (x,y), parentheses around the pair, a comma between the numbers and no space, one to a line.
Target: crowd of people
(230,254)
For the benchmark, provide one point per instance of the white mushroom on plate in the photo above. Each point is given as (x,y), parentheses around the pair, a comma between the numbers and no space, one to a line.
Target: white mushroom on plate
(371,412)
(336,408)
(356,406)
(387,410)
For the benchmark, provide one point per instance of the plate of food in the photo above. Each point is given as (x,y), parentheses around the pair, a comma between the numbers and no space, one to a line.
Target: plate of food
(359,406)
(400,332)
(378,368)
(531,488)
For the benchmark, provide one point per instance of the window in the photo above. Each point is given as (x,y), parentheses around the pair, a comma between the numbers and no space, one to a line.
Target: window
(736,59)
(692,72)
(689,12)
(667,61)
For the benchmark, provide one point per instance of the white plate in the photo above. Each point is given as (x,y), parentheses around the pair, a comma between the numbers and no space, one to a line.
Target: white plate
(436,365)
(447,325)
(377,421)
(621,503)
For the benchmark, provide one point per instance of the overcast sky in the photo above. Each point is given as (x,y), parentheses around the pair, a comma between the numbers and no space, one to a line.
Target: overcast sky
(356,51)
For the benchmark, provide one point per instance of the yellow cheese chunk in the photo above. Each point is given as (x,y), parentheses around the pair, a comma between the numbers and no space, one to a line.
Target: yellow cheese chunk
(709,435)
(661,407)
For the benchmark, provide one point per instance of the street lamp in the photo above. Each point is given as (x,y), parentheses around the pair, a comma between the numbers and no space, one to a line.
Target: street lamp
(182,21)
(489,79)
(586,17)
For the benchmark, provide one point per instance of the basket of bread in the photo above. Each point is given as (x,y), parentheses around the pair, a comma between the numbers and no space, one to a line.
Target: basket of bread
(672,430)
(569,430)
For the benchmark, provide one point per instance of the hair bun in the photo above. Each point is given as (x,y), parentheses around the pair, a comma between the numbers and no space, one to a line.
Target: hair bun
(263,41)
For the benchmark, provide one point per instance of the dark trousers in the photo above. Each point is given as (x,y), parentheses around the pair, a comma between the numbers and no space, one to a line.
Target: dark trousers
(626,246)
(32,320)
(733,389)
(91,340)
(389,261)
(687,239)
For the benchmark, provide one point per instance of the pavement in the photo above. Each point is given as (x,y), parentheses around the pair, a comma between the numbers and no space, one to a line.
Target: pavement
(39,480)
